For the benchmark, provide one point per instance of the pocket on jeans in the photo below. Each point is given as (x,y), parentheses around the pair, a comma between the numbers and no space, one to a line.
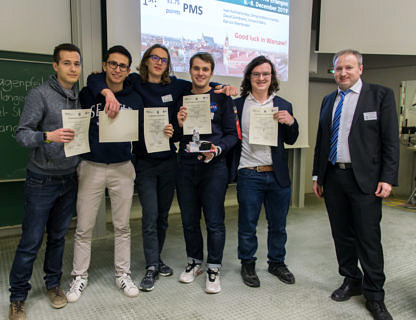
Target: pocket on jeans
(245,172)
(33,181)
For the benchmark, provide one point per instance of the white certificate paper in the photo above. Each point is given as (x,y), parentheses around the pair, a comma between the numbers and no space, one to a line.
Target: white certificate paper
(155,120)
(198,114)
(263,128)
(79,121)
(123,128)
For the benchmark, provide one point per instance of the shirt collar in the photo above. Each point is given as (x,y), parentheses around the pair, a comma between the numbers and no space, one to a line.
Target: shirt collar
(356,88)
(252,99)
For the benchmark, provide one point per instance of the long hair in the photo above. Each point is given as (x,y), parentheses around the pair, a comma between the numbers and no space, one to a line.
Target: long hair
(246,83)
(144,70)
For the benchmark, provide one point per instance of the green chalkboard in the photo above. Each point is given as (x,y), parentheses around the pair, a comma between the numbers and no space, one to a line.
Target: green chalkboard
(19,72)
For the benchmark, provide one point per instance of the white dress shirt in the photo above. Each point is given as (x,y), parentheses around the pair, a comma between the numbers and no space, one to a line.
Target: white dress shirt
(347,114)
(253,155)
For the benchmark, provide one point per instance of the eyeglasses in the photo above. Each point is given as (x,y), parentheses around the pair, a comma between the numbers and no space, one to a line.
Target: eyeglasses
(156,59)
(259,74)
(113,65)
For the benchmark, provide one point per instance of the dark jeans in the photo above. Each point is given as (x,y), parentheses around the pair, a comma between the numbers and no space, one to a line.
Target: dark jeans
(49,202)
(155,181)
(253,189)
(203,186)
(355,223)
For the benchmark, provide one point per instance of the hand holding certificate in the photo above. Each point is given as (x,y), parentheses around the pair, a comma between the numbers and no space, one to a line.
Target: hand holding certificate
(79,121)
(198,114)
(155,120)
(263,127)
(123,128)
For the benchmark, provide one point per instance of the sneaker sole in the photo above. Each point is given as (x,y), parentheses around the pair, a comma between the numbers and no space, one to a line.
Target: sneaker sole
(71,300)
(59,306)
(212,292)
(196,275)
(146,289)
(131,295)
(166,274)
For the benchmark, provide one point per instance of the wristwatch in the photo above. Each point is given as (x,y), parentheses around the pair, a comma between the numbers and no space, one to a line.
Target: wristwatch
(45,137)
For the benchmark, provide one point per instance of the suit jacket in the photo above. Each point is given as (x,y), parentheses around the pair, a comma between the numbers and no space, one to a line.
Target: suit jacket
(374,144)
(286,134)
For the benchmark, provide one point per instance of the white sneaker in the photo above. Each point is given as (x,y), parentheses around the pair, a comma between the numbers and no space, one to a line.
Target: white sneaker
(78,284)
(213,284)
(129,288)
(191,272)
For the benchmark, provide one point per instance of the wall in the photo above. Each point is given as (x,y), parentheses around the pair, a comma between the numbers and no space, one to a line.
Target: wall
(37,27)
(34,26)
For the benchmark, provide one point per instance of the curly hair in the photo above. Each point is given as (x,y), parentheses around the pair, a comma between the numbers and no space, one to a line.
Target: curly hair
(144,70)
(246,83)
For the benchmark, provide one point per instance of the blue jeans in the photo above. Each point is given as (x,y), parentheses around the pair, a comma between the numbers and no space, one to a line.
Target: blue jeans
(203,186)
(253,189)
(49,203)
(155,180)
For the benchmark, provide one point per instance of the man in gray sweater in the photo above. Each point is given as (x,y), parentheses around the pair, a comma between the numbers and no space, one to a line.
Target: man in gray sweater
(51,182)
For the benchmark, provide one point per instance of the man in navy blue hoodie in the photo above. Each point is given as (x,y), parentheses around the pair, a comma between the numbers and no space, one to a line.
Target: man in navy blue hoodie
(107,165)
(202,179)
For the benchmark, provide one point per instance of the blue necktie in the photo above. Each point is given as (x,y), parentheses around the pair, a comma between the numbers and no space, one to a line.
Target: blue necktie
(335,128)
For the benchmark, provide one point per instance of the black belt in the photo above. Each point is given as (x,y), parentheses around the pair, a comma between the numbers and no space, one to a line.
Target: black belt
(343,165)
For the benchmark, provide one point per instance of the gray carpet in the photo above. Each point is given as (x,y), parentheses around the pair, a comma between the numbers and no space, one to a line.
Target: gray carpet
(310,256)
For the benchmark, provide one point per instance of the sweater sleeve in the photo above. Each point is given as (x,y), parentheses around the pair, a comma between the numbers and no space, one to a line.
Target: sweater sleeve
(27,132)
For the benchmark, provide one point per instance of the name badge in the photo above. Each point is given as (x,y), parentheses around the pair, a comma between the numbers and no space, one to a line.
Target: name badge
(167,98)
(370,115)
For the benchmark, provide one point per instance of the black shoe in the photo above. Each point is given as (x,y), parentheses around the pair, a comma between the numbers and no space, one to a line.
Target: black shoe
(348,289)
(248,273)
(378,310)
(148,281)
(165,270)
(280,270)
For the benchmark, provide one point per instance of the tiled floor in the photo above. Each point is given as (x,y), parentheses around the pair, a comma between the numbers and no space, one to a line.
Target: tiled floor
(310,255)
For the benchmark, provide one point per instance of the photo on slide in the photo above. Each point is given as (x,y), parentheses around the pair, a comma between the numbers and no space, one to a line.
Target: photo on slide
(233,31)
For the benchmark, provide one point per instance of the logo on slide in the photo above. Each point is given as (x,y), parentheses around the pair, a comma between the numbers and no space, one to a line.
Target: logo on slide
(150,3)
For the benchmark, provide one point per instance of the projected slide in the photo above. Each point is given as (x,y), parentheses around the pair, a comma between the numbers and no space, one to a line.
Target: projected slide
(233,31)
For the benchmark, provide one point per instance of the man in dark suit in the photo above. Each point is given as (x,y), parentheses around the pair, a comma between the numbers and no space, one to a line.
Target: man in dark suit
(263,174)
(355,166)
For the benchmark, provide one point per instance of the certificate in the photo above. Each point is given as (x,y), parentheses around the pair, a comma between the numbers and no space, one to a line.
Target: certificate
(79,121)
(123,128)
(155,120)
(263,128)
(198,114)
